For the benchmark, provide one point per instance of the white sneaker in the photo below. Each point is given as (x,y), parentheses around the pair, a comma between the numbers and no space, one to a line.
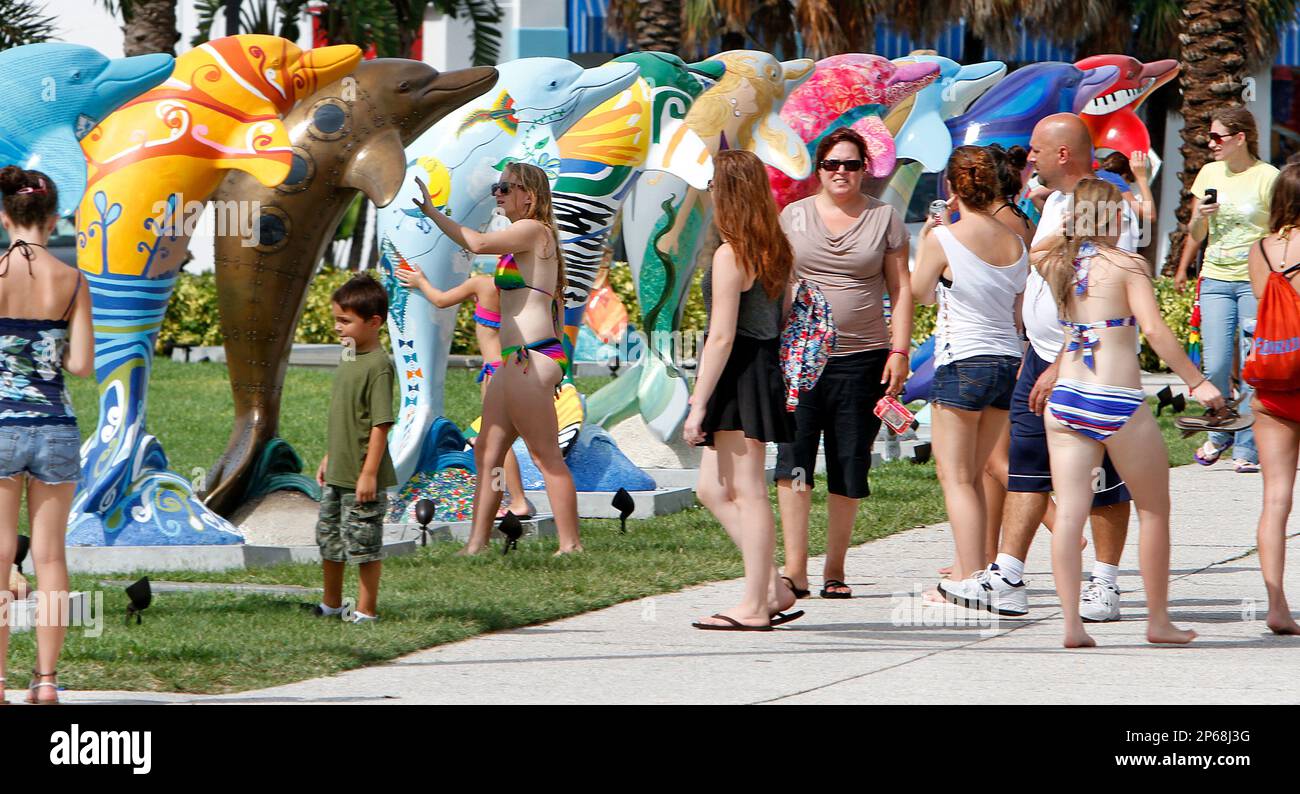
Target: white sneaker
(361,617)
(1099,602)
(988,590)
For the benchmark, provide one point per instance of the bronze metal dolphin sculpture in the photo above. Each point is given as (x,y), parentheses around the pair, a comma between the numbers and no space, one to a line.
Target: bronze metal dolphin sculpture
(349,136)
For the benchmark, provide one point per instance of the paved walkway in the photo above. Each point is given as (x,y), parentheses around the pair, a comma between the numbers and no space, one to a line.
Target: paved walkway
(864,650)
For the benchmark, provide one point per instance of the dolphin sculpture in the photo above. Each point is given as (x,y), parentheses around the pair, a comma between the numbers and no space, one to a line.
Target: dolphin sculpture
(151,165)
(922,141)
(663,221)
(347,137)
(853,90)
(1112,116)
(641,128)
(1007,113)
(535,101)
(55,94)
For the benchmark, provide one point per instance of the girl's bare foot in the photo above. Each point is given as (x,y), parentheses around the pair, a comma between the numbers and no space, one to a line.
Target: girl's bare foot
(469,550)
(1078,638)
(1168,634)
(739,615)
(578,549)
(1282,623)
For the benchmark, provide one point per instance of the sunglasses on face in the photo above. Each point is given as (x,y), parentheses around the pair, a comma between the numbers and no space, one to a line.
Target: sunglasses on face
(503,188)
(835,165)
(1219,139)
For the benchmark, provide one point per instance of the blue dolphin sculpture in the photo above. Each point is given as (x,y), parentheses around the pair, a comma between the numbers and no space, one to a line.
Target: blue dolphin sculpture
(54,95)
(1007,113)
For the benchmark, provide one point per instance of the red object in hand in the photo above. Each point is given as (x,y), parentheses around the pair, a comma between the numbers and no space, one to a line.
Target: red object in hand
(894,414)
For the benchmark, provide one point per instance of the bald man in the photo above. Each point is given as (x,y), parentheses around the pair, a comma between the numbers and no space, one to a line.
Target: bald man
(1061,151)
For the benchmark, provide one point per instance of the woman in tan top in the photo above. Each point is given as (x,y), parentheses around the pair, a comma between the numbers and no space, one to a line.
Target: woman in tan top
(853,247)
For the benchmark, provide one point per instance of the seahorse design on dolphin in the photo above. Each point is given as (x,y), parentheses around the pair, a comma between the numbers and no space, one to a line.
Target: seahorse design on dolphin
(663,218)
(922,141)
(56,93)
(642,128)
(349,136)
(1112,116)
(545,97)
(150,165)
(853,90)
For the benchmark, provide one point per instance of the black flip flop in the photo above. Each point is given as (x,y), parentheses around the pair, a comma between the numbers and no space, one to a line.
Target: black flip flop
(828,593)
(797,592)
(786,617)
(736,625)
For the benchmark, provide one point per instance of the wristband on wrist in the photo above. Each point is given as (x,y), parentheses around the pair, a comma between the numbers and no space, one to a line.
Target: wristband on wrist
(899,352)
(1198,384)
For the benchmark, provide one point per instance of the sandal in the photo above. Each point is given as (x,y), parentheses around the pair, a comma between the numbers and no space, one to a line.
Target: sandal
(35,685)
(735,625)
(1228,420)
(828,593)
(797,592)
(1208,454)
(1245,466)
(784,617)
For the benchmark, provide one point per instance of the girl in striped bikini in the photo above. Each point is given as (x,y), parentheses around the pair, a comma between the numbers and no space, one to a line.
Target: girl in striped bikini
(530,277)
(1103,294)
(487,324)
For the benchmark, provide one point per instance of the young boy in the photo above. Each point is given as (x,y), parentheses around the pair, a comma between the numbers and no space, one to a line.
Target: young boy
(356,468)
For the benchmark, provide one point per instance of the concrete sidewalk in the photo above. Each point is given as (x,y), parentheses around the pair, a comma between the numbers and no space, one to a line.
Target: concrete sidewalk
(864,650)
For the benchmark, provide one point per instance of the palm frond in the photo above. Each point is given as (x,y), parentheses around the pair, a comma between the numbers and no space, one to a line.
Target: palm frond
(486,16)
(24,23)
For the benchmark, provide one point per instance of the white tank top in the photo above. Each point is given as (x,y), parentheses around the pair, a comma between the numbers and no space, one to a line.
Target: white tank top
(977,313)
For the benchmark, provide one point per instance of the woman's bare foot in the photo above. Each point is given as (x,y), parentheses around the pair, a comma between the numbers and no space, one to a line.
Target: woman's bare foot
(469,550)
(1282,623)
(785,597)
(739,615)
(1168,634)
(1078,638)
(578,549)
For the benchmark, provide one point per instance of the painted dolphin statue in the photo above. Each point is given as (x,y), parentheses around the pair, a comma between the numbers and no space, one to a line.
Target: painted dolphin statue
(56,93)
(1007,113)
(921,139)
(151,165)
(1112,116)
(535,101)
(642,128)
(852,90)
(664,219)
(349,136)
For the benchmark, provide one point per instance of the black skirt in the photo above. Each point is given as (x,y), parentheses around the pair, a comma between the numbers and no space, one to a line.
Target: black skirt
(750,395)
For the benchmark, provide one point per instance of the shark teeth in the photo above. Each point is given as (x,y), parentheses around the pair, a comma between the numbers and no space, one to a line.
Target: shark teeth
(1113,101)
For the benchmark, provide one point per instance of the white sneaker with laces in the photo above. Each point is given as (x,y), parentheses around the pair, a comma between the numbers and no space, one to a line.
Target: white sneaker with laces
(988,590)
(1099,602)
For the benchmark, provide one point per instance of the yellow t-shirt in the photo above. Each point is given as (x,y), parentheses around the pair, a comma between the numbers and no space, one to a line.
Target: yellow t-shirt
(1244,200)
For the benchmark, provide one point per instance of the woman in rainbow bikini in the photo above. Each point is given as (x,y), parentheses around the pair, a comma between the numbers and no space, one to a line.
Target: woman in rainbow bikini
(530,277)
(487,322)
(1103,294)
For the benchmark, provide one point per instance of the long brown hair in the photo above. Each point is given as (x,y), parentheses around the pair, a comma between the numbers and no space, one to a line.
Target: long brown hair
(747,218)
(534,180)
(973,175)
(1238,119)
(1096,211)
(1285,210)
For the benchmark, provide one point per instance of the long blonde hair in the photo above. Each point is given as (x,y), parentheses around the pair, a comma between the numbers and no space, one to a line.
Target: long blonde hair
(534,180)
(1096,212)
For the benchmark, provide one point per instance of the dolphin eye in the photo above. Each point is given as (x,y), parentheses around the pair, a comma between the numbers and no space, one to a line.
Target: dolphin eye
(75,76)
(554,84)
(404,86)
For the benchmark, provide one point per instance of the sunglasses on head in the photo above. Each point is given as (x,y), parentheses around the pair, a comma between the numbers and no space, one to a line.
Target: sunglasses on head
(835,165)
(502,188)
(1217,138)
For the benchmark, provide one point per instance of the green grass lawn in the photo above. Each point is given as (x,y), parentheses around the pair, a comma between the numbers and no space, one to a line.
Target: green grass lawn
(221,642)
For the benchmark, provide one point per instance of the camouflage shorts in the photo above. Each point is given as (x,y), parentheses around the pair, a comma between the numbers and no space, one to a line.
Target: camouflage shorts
(347,531)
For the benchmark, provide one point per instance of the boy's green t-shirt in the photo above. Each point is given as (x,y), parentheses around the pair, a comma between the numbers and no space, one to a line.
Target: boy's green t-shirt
(362,399)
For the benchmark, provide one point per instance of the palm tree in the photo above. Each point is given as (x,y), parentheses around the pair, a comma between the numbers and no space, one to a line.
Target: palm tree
(22,22)
(271,17)
(148,25)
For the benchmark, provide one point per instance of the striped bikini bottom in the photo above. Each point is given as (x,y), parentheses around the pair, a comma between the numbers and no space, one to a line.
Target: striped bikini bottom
(551,348)
(1093,409)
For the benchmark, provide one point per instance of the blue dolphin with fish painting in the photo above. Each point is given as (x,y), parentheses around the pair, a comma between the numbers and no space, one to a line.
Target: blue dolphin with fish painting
(54,95)
(1007,113)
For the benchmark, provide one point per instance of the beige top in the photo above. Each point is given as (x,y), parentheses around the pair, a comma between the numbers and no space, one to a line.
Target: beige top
(848,267)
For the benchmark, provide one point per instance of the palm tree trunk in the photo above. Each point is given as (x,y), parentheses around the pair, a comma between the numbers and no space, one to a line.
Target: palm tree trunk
(152,28)
(660,25)
(1213,56)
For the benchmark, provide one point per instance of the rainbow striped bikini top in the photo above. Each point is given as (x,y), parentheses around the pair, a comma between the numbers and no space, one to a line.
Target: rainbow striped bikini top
(508,277)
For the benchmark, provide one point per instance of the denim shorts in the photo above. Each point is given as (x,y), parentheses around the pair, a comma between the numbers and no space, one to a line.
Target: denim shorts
(50,453)
(976,383)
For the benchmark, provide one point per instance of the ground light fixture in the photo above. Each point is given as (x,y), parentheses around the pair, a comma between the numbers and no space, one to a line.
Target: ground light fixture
(424,510)
(624,504)
(141,596)
(513,529)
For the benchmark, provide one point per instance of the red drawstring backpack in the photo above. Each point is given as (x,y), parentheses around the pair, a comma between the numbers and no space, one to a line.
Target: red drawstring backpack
(1274,360)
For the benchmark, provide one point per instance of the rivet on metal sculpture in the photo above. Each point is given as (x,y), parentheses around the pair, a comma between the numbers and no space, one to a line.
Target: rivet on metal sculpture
(150,167)
(54,95)
(664,219)
(856,91)
(535,101)
(1111,116)
(347,137)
